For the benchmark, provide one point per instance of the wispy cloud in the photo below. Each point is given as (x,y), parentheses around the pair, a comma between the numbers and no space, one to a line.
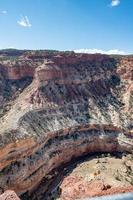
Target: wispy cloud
(4,12)
(115,3)
(24,21)
(93,51)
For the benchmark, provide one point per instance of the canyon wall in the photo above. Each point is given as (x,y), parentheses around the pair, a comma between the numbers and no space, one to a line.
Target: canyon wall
(22,68)
(75,104)
(24,164)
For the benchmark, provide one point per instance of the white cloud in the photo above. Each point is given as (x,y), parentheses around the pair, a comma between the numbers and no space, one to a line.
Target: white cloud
(4,12)
(93,51)
(24,21)
(115,3)
(7,47)
(10,47)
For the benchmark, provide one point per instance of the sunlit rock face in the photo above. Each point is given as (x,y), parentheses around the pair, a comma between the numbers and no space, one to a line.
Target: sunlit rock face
(9,195)
(67,105)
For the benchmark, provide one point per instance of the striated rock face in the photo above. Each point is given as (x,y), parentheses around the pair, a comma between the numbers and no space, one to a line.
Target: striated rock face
(17,72)
(22,169)
(74,104)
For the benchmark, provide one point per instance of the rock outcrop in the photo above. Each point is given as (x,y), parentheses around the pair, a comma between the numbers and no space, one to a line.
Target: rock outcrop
(75,104)
(9,195)
(76,188)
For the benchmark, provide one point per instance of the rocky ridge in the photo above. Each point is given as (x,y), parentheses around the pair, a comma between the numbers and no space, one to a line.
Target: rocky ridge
(69,105)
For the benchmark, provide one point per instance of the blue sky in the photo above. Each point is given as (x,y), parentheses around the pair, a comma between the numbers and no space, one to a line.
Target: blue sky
(67,24)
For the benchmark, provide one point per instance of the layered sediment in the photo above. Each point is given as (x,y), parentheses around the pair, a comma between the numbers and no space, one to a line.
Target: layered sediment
(74,104)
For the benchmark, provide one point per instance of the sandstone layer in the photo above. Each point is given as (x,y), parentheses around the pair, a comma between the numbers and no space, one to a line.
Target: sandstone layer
(69,105)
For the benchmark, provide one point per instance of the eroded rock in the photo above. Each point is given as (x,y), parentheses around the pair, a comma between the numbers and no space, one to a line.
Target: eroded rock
(73,104)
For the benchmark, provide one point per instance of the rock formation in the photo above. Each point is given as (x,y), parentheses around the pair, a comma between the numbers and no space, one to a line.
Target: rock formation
(9,195)
(68,105)
(73,188)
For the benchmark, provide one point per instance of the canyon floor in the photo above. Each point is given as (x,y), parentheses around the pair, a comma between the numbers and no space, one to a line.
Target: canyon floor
(93,175)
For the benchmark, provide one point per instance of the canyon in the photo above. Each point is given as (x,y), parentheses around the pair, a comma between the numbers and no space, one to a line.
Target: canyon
(56,107)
